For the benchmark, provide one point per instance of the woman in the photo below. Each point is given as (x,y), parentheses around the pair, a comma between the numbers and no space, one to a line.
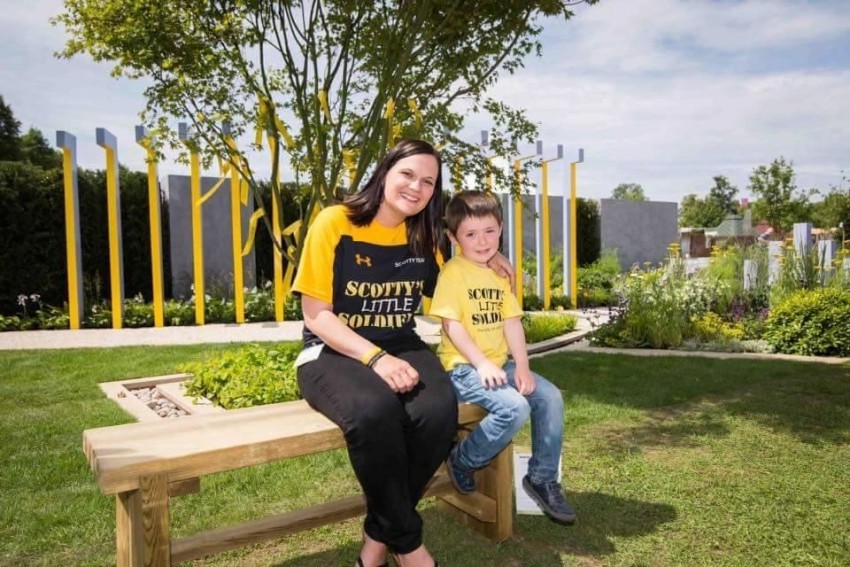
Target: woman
(365,266)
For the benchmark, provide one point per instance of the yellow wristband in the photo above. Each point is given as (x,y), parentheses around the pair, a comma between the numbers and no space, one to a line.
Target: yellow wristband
(369,354)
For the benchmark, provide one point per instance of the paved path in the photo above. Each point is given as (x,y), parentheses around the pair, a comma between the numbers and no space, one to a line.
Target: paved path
(427,328)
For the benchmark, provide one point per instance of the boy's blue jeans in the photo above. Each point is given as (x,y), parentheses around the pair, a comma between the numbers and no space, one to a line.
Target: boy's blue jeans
(508,411)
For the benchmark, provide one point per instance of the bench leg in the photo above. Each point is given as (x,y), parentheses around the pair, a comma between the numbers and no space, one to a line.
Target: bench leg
(496,483)
(142,524)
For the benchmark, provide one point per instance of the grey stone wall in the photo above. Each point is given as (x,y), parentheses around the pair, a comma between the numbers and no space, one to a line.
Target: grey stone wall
(218,257)
(640,231)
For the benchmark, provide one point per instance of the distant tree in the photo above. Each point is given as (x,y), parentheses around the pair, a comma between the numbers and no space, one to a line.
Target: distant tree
(629,192)
(779,202)
(698,211)
(35,149)
(10,129)
(833,209)
(710,210)
(723,194)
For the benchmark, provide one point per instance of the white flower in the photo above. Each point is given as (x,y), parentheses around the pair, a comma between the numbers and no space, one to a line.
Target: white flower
(22,299)
(35,297)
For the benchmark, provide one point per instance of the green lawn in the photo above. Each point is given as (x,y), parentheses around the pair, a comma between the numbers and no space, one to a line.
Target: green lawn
(669,461)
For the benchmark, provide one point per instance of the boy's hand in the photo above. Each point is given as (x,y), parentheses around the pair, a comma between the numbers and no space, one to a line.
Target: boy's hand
(525,383)
(491,376)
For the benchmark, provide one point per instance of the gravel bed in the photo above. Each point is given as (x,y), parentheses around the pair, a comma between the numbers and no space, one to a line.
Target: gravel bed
(158,403)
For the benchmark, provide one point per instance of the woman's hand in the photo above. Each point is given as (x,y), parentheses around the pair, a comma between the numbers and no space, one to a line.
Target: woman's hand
(504,268)
(399,375)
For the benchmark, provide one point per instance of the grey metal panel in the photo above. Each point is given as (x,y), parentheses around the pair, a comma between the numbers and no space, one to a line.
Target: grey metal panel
(218,258)
(640,231)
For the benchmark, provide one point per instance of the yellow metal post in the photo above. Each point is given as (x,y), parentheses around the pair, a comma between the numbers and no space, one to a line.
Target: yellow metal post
(574,230)
(155,219)
(279,292)
(518,224)
(197,237)
(109,143)
(546,230)
(277,251)
(197,226)
(73,252)
(518,234)
(236,232)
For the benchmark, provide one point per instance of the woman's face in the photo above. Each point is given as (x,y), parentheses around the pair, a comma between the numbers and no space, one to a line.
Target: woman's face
(408,187)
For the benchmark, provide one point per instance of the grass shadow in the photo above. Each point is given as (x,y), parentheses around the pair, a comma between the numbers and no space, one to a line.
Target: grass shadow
(808,400)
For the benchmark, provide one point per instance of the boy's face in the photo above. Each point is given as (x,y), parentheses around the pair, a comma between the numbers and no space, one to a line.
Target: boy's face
(478,239)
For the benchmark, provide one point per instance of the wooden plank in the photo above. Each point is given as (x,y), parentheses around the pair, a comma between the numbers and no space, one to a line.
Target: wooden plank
(143,524)
(156,521)
(498,484)
(491,511)
(200,445)
(184,487)
(128,532)
(273,527)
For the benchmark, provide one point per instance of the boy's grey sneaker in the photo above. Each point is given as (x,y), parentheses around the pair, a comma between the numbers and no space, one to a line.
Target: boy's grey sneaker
(462,479)
(551,500)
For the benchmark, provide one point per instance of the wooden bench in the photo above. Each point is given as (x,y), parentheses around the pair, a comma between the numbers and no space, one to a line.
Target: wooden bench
(144,464)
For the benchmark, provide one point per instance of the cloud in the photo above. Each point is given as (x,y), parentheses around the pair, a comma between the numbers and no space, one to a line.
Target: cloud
(666,93)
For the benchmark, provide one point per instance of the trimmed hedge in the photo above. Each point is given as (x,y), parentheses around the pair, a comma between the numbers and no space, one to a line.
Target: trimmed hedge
(32,235)
(812,323)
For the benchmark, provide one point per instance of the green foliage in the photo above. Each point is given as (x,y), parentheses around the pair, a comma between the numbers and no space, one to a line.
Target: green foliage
(328,70)
(32,228)
(803,270)
(531,302)
(699,212)
(709,327)
(560,302)
(600,274)
(250,376)
(36,150)
(779,201)
(259,306)
(597,297)
(588,227)
(811,322)
(629,192)
(711,210)
(10,128)
(596,281)
(833,209)
(543,326)
(659,307)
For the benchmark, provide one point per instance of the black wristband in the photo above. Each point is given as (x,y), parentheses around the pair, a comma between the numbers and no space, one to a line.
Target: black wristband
(374,360)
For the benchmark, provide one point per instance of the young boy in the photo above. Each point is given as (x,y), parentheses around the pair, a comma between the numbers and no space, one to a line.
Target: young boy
(481,323)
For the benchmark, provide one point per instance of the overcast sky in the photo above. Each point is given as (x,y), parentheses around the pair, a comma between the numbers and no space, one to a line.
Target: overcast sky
(664,93)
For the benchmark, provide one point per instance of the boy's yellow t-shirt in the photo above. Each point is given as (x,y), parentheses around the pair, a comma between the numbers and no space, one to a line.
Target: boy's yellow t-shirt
(481,300)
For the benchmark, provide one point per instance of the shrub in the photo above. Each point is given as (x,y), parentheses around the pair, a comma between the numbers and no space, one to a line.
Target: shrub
(259,303)
(811,322)
(543,326)
(560,302)
(179,312)
(596,297)
(659,306)
(250,376)
(709,327)
(531,302)
(137,313)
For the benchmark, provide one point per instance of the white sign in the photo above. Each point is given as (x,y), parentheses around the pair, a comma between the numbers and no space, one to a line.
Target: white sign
(524,504)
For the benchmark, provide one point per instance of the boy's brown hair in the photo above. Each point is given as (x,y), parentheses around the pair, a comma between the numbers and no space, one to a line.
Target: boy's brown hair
(477,204)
